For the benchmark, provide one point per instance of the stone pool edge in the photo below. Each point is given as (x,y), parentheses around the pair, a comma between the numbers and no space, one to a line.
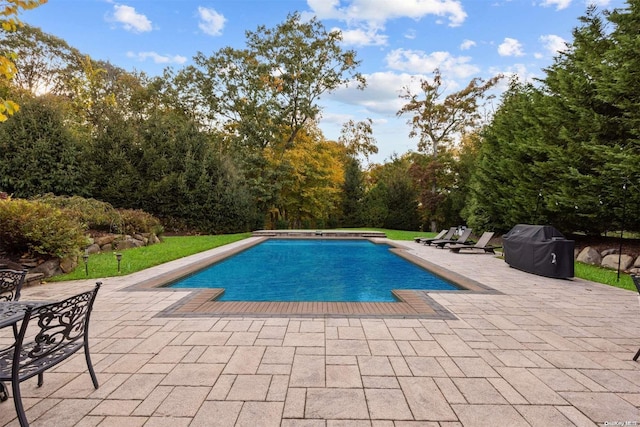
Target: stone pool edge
(201,302)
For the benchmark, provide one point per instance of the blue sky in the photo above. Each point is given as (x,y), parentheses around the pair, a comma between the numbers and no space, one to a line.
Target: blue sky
(398,42)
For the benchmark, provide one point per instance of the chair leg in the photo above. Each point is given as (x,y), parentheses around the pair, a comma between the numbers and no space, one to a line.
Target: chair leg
(4,393)
(17,401)
(636,356)
(40,379)
(90,366)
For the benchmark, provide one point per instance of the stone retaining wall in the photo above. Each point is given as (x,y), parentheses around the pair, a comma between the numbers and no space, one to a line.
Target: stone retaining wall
(40,269)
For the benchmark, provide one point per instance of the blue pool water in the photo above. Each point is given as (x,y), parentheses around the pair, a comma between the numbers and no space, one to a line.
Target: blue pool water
(314,270)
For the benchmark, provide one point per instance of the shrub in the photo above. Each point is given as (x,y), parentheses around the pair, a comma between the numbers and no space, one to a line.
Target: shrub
(137,221)
(94,214)
(102,216)
(35,227)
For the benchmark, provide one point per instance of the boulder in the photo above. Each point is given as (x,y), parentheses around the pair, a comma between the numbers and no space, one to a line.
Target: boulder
(589,256)
(67,265)
(141,238)
(611,261)
(49,268)
(93,249)
(129,242)
(105,240)
(608,252)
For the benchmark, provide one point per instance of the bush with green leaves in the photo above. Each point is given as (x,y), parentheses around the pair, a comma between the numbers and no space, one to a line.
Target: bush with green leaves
(137,221)
(94,214)
(37,228)
(101,216)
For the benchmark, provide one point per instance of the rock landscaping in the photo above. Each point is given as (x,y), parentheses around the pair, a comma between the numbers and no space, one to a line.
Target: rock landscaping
(40,269)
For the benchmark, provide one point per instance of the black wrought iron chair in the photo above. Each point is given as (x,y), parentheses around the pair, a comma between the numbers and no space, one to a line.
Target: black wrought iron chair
(636,281)
(11,283)
(61,329)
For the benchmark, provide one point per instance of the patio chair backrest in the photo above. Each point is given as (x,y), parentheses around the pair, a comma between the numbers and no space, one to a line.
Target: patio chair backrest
(61,329)
(464,236)
(10,284)
(484,239)
(449,234)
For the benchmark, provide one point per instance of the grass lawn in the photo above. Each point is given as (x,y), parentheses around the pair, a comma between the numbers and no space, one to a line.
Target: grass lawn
(106,265)
(603,275)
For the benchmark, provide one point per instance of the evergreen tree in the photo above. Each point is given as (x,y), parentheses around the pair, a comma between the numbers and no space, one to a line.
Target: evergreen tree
(38,154)
(353,192)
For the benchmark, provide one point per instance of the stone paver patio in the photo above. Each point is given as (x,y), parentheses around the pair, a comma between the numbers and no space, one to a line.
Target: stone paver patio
(537,352)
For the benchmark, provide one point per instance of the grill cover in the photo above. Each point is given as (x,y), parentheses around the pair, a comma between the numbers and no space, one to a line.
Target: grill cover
(539,249)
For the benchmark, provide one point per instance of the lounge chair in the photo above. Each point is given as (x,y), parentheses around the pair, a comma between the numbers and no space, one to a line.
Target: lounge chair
(448,235)
(483,243)
(438,236)
(441,243)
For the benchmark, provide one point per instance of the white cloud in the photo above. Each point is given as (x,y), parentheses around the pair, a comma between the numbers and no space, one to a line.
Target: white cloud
(130,19)
(553,44)
(382,94)
(362,37)
(559,4)
(416,61)
(157,58)
(467,44)
(510,47)
(211,22)
(380,11)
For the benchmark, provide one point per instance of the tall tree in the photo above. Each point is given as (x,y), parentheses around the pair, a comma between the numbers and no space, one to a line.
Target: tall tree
(267,92)
(353,192)
(392,199)
(585,131)
(38,154)
(44,63)
(311,178)
(439,121)
(264,95)
(504,186)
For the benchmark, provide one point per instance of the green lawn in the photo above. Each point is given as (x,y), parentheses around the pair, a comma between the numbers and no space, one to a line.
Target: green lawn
(603,275)
(106,265)
(398,234)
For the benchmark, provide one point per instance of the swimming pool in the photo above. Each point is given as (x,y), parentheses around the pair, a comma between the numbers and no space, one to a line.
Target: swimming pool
(314,270)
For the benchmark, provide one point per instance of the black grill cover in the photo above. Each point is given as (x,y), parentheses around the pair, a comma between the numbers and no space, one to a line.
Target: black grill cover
(539,249)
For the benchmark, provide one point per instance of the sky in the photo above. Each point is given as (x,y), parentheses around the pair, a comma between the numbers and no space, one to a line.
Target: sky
(398,43)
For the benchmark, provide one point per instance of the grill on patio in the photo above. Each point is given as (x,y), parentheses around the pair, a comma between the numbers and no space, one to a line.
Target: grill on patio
(539,249)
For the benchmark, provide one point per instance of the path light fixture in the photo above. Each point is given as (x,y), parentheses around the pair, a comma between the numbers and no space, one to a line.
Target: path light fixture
(119,258)
(85,258)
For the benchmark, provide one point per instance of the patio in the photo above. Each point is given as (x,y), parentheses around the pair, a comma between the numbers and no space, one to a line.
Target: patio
(537,351)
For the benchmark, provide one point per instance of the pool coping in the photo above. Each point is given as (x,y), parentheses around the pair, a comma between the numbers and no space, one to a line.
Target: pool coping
(202,303)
